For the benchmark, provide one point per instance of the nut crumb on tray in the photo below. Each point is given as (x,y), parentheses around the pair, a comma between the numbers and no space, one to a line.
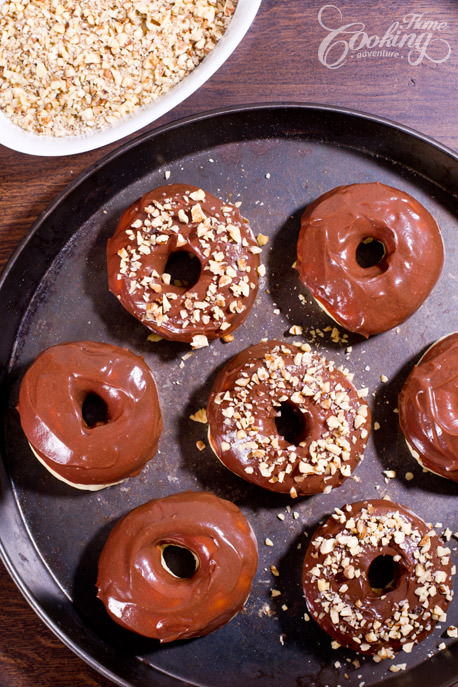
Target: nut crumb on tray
(69,68)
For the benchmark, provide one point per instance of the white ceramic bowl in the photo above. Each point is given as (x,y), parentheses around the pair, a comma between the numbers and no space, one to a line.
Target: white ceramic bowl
(14,137)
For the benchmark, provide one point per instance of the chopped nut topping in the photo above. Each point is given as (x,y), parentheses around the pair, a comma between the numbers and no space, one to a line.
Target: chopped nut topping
(70,68)
(164,224)
(341,550)
(291,374)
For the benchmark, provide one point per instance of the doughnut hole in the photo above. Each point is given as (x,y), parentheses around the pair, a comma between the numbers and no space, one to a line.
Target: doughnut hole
(384,574)
(291,423)
(179,561)
(94,410)
(184,269)
(372,245)
(370,253)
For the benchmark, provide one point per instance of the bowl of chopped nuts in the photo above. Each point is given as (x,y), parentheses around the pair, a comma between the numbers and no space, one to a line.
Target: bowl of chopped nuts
(74,77)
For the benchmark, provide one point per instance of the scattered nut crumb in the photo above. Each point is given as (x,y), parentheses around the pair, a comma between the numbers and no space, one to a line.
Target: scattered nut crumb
(199,416)
(154,338)
(265,610)
(390,474)
(199,341)
(262,240)
(200,445)
(398,667)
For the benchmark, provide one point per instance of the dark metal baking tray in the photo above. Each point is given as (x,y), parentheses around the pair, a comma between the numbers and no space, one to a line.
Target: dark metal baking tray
(275,159)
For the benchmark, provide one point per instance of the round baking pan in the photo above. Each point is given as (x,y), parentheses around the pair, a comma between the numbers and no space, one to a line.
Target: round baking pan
(274,159)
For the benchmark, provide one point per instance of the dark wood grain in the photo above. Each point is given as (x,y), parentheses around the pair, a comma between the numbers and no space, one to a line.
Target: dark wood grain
(277,61)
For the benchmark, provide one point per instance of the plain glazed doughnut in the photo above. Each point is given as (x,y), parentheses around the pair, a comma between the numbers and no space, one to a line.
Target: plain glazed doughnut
(51,406)
(371,299)
(377,578)
(184,219)
(271,380)
(140,591)
(428,408)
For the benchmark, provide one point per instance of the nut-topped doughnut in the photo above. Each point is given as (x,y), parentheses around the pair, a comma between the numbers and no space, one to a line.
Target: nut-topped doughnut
(377,578)
(143,594)
(286,419)
(428,408)
(90,412)
(183,219)
(369,293)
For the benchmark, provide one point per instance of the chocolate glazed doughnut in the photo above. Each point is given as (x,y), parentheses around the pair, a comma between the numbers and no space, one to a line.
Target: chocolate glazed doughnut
(371,293)
(182,220)
(377,578)
(142,594)
(90,412)
(428,408)
(286,419)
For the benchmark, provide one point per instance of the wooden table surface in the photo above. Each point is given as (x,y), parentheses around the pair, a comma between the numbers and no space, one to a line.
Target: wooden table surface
(291,53)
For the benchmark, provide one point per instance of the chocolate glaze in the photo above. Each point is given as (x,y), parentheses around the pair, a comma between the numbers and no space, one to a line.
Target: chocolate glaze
(428,408)
(281,466)
(423,563)
(50,406)
(223,243)
(373,299)
(142,595)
